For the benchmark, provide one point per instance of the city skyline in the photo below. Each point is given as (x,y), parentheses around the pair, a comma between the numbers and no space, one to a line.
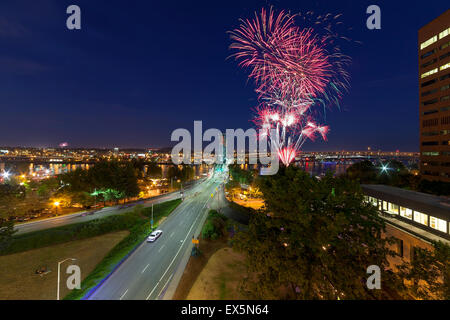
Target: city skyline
(130,85)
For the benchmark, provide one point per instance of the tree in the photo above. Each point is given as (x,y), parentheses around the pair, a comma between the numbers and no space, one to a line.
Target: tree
(365,171)
(427,275)
(243,176)
(154,170)
(6,233)
(314,239)
(187,173)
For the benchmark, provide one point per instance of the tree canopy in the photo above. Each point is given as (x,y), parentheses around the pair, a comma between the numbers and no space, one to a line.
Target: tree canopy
(315,239)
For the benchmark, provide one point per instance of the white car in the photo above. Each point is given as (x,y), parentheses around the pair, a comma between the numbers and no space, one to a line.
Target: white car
(154,235)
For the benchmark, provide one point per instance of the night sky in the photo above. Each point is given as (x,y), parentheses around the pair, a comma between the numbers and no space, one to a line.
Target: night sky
(140,69)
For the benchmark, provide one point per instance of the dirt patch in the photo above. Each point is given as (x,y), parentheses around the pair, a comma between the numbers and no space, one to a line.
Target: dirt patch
(195,266)
(221,278)
(18,280)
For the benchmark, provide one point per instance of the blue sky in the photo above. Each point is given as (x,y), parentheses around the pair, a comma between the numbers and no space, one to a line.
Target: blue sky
(140,69)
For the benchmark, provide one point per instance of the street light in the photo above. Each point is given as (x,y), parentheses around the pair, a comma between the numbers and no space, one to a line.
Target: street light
(6,175)
(59,272)
(56,204)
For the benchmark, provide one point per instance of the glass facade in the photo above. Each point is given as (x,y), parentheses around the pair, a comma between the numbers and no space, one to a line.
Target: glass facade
(407,213)
(438,224)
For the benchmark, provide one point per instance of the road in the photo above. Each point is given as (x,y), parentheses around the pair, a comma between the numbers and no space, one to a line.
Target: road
(147,273)
(81,217)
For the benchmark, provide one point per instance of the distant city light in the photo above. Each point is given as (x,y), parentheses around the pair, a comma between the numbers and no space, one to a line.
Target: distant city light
(6,175)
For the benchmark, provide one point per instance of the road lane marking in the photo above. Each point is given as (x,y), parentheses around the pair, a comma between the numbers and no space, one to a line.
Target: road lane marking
(171,235)
(123,295)
(145,268)
(176,255)
(161,247)
(164,286)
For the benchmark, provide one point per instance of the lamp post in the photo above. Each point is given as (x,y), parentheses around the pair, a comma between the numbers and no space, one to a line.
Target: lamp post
(59,272)
(152,217)
(56,204)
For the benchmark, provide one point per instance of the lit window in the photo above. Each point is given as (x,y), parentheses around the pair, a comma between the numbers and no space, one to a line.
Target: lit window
(445,66)
(392,208)
(444,33)
(373,201)
(406,213)
(429,73)
(430,154)
(438,224)
(420,218)
(430,41)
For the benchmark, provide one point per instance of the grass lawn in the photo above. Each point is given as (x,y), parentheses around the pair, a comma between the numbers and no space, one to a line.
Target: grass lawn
(221,278)
(18,280)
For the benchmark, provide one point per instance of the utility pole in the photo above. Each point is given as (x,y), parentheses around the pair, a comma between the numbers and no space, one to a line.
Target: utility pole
(152,217)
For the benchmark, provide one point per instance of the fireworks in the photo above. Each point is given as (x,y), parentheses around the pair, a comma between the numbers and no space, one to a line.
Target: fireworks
(295,70)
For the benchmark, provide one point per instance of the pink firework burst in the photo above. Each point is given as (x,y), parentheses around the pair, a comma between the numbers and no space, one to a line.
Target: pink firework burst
(294,69)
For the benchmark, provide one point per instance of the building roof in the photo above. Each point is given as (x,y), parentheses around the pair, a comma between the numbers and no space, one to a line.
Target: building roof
(435,206)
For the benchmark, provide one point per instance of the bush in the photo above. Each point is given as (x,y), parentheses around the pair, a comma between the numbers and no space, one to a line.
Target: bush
(214,227)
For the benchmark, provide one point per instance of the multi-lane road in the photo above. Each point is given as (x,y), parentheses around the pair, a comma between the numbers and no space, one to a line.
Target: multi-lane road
(83,216)
(154,267)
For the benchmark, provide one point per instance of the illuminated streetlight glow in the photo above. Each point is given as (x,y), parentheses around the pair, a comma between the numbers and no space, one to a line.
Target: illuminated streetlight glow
(6,175)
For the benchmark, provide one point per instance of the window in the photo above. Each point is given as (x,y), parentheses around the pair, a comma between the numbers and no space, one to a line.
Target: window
(445,45)
(431,173)
(445,66)
(430,163)
(429,53)
(425,84)
(430,122)
(385,205)
(445,120)
(427,43)
(438,224)
(406,213)
(445,98)
(445,174)
(430,133)
(444,56)
(443,88)
(426,93)
(444,33)
(412,253)
(445,109)
(373,201)
(429,63)
(445,153)
(392,208)
(426,113)
(430,154)
(421,218)
(399,247)
(445,77)
(429,73)
(446,143)
(430,143)
(428,102)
